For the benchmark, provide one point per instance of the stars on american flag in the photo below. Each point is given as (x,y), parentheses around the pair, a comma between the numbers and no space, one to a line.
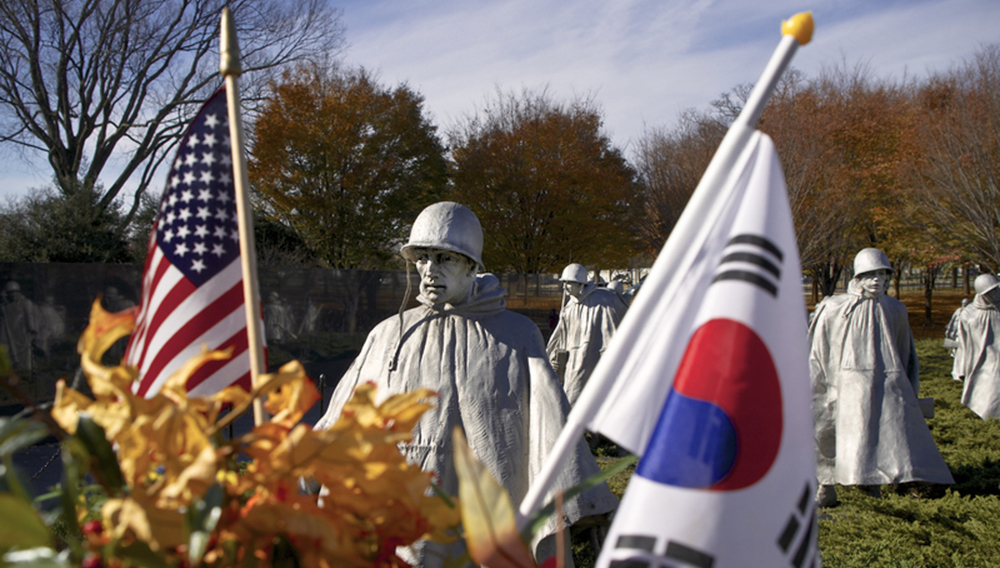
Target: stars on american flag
(197,227)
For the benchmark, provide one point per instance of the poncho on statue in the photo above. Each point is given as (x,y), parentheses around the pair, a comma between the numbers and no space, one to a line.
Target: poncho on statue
(951,330)
(977,358)
(869,427)
(489,367)
(584,331)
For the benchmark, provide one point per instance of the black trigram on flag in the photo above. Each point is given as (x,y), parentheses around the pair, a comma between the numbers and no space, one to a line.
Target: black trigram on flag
(798,539)
(640,551)
(752,259)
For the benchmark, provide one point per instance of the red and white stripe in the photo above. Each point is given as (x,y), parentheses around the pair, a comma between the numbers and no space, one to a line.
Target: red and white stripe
(176,318)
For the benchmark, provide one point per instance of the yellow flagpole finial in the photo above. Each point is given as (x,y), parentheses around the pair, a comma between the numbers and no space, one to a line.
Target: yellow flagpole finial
(800,26)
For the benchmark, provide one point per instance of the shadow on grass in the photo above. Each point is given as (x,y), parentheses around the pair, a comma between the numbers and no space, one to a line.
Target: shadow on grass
(977,480)
(970,481)
(929,520)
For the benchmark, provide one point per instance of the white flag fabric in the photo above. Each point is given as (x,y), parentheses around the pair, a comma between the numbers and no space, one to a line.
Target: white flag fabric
(727,477)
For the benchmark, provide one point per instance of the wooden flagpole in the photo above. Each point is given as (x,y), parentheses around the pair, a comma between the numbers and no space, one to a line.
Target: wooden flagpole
(230,68)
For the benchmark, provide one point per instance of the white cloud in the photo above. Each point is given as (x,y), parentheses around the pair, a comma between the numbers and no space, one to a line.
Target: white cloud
(645,61)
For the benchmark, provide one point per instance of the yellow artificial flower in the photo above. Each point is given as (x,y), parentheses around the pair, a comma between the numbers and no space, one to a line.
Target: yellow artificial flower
(171,451)
(130,519)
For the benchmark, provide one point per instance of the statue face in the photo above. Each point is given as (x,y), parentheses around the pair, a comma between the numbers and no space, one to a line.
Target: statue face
(445,276)
(874,283)
(573,288)
(993,296)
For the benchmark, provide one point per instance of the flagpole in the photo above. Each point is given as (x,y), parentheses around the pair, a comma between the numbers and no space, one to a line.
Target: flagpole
(675,255)
(230,68)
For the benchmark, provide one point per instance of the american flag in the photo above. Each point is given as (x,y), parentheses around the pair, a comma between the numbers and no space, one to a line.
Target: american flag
(192,290)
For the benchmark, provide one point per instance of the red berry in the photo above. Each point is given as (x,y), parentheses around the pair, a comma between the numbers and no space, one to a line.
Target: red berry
(550,562)
(92,527)
(91,561)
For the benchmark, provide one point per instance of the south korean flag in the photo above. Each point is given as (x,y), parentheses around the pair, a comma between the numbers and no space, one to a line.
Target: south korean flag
(728,475)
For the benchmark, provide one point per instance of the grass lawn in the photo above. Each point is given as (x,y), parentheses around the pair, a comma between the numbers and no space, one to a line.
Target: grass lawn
(912,525)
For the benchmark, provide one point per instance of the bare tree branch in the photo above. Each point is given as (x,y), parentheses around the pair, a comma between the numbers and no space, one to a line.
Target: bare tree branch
(91,81)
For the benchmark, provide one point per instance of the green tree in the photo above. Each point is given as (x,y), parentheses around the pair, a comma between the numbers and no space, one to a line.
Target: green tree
(345,163)
(546,183)
(86,82)
(51,227)
(277,245)
(142,225)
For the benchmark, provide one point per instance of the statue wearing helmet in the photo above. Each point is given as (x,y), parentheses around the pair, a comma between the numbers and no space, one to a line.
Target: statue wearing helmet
(447,226)
(871,259)
(869,426)
(872,271)
(977,355)
(589,318)
(18,326)
(488,366)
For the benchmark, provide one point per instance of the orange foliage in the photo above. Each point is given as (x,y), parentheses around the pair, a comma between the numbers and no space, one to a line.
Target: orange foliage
(345,163)
(171,453)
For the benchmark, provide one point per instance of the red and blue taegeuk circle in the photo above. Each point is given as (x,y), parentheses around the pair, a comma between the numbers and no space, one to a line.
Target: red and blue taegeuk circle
(721,425)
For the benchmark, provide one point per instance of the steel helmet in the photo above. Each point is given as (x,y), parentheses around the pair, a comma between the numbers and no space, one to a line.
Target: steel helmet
(870,259)
(986,282)
(574,273)
(448,226)
(12,287)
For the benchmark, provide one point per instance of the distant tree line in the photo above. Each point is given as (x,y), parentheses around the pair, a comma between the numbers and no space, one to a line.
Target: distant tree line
(910,167)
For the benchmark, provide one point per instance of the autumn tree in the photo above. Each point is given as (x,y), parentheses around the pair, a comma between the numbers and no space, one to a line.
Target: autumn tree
(960,178)
(848,145)
(345,163)
(546,183)
(799,120)
(670,164)
(844,140)
(88,83)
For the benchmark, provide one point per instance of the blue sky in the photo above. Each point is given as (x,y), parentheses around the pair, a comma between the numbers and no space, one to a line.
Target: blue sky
(643,61)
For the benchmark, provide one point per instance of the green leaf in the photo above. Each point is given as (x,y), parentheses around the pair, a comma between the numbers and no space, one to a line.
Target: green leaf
(12,480)
(202,517)
(54,493)
(104,464)
(72,453)
(439,492)
(204,513)
(20,524)
(17,434)
(539,518)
